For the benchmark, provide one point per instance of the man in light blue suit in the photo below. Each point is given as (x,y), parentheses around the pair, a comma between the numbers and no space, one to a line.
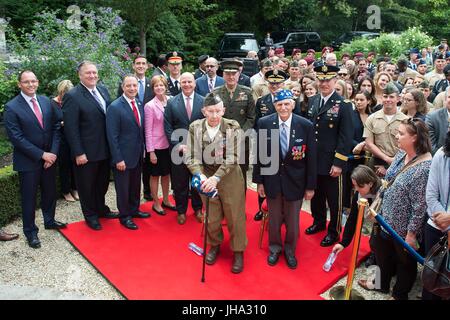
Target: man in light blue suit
(210,80)
(125,132)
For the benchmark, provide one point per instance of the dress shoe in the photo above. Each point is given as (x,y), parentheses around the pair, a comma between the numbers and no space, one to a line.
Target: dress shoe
(94,224)
(181,218)
(328,241)
(272,259)
(110,215)
(291,261)
(8,236)
(141,215)
(199,215)
(314,229)
(75,195)
(148,197)
(34,242)
(169,206)
(211,257)
(56,226)
(68,197)
(129,224)
(370,261)
(258,216)
(238,262)
(160,212)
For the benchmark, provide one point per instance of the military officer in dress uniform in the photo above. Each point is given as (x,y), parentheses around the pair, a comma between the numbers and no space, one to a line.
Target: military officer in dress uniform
(332,121)
(239,104)
(175,64)
(220,170)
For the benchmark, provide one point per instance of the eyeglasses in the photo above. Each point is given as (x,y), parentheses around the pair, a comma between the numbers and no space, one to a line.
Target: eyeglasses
(29,82)
(342,74)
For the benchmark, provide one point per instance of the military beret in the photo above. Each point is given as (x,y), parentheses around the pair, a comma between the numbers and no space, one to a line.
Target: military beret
(358,55)
(279,50)
(266,63)
(414,50)
(276,76)
(424,84)
(295,51)
(231,65)
(421,61)
(330,49)
(345,55)
(390,88)
(202,58)
(175,57)
(311,51)
(283,94)
(326,72)
(294,64)
(211,99)
(371,53)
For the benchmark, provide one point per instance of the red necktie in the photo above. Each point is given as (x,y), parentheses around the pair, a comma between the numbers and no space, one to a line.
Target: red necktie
(135,111)
(37,112)
(188,107)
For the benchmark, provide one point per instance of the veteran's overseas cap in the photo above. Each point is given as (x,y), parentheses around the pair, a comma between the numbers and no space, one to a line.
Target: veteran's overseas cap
(231,65)
(175,57)
(276,76)
(211,99)
(326,72)
(283,94)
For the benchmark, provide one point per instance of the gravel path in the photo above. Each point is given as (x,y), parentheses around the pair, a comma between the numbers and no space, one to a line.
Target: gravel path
(58,271)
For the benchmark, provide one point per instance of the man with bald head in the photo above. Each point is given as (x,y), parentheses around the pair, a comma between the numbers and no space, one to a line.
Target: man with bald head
(180,112)
(210,80)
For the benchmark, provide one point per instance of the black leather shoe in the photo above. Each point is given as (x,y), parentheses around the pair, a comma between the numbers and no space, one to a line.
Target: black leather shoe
(291,261)
(142,215)
(34,242)
(148,196)
(110,215)
(129,224)
(328,241)
(370,261)
(314,229)
(56,226)
(211,257)
(258,216)
(272,259)
(94,224)
(170,207)
(160,212)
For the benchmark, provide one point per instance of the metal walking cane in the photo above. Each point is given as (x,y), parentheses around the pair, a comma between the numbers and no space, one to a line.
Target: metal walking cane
(205,223)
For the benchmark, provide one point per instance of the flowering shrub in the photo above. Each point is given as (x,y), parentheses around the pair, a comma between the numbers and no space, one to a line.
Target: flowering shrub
(8,85)
(53,51)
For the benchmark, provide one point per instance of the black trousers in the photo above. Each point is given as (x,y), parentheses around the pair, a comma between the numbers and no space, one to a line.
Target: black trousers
(181,179)
(92,180)
(432,236)
(393,259)
(328,190)
(66,171)
(146,174)
(29,183)
(128,190)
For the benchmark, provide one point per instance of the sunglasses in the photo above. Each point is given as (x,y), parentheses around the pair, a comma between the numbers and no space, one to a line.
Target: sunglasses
(342,74)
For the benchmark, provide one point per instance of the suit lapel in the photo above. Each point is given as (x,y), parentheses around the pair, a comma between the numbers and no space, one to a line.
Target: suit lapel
(88,95)
(24,104)
(46,114)
(129,111)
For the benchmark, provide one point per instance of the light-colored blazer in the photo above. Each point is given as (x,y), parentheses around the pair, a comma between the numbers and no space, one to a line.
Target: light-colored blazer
(155,138)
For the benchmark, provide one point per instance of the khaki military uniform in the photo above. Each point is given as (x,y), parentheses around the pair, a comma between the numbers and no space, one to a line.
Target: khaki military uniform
(260,89)
(219,158)
(439,101)
(432,77)
(383,132)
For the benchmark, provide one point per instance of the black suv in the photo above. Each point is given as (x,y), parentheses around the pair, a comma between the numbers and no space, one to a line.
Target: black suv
(290,40)
(237,45)
(350,36)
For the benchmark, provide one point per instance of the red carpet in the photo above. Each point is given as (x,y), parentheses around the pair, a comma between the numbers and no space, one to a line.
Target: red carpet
(154,262)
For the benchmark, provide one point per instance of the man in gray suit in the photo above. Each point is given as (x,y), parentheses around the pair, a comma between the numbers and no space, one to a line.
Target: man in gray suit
(438,123)
(180,112)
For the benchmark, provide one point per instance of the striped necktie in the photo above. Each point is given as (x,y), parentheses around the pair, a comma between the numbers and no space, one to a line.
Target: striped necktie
(283,140)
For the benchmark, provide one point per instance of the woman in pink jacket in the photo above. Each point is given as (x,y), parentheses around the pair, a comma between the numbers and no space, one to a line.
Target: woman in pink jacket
(157,144)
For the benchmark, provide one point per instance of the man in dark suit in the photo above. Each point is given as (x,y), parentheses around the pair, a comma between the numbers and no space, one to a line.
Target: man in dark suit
(201,71)
(145,94)
(84,113)
(210,80)
(125,130)
(293,173)
(333,126)
(161,66)
(438,123)
(33,130)
(180,112)
(175,64)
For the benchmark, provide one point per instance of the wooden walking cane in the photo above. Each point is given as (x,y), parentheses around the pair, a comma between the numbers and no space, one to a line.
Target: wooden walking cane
(205,224)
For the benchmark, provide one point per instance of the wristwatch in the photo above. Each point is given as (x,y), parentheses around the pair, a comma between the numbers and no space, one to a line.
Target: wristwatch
(218,178)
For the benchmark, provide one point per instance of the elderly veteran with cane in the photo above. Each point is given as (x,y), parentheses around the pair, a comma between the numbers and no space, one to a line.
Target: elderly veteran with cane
(212,154)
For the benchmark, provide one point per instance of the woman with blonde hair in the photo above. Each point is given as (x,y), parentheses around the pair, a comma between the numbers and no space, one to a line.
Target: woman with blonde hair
(381,80)
(66,176)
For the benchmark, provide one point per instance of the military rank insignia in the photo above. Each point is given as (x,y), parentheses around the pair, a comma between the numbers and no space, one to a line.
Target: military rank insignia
(298,152)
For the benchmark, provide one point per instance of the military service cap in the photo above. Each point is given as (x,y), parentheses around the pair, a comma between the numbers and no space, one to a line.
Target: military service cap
(211,99)
(202,58)
(231,65)
(390,88)
(283,94)
(175,57)
(276,76)
(326,72)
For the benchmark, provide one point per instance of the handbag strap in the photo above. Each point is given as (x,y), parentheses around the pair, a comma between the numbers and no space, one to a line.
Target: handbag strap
(415,161)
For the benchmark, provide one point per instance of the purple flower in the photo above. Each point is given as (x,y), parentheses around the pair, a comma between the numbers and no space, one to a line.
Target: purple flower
(118,21)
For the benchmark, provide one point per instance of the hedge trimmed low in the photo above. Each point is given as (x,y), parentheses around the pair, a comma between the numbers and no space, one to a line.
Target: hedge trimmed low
(9,195)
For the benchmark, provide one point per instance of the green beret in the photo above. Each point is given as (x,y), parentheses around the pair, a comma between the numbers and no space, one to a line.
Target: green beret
(390,88)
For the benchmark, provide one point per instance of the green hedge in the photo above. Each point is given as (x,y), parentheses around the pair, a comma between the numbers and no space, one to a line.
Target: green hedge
(9,195)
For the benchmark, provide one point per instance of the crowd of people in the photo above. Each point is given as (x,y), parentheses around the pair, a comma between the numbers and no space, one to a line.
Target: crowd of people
(339,127)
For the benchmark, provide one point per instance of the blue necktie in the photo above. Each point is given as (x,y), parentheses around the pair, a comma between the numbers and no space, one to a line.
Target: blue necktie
(283,140)
(141,91)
